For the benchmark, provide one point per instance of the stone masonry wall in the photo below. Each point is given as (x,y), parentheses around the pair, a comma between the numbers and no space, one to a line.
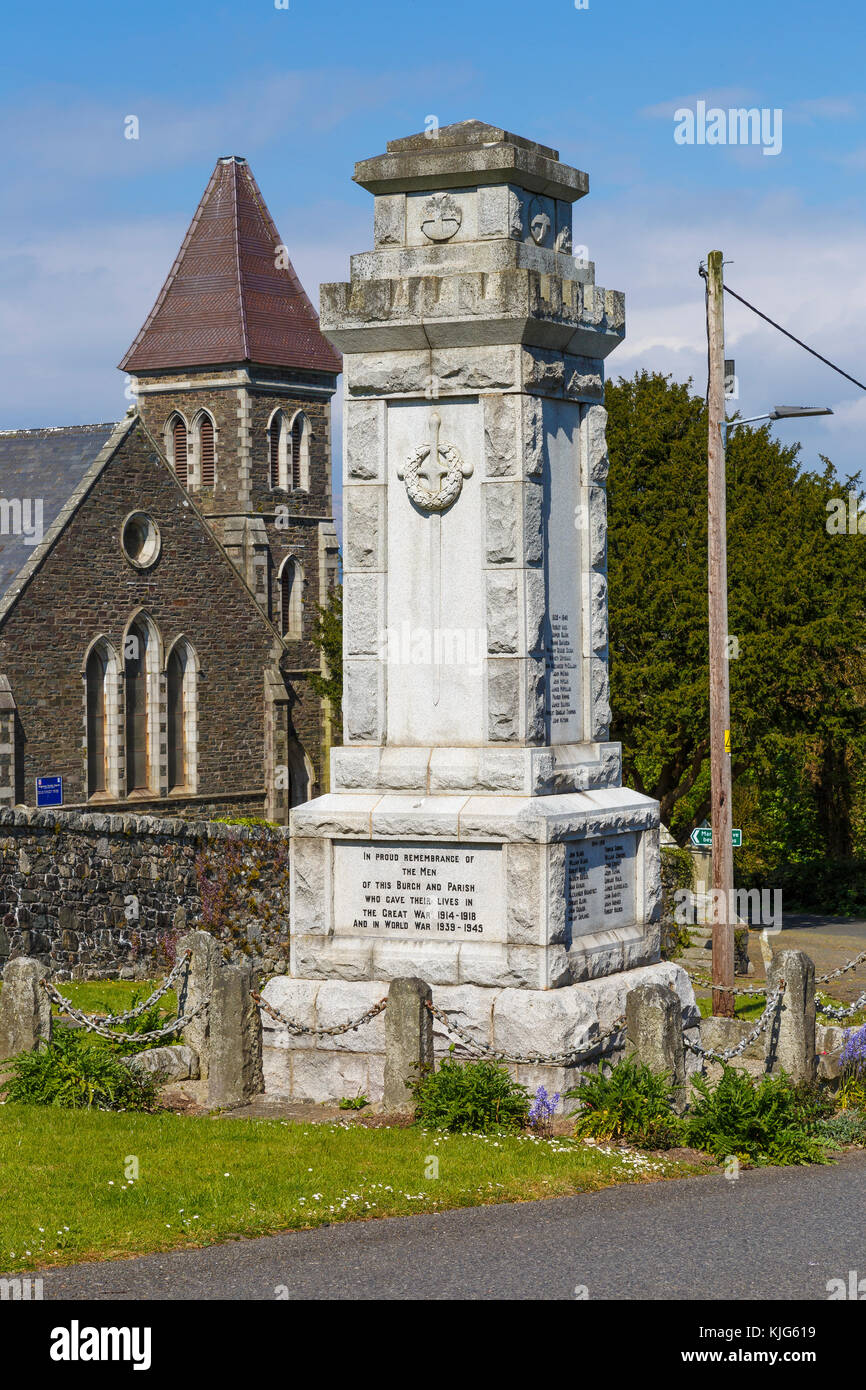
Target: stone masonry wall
(95,896)
(241,415)
(86,587)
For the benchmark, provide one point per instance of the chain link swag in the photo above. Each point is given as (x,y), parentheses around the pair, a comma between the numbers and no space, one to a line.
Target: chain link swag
(563,1059)
(299,1029)
(95,1025)
(773,1002)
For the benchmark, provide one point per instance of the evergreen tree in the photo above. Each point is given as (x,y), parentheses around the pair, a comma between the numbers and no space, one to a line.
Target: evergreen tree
(796,619)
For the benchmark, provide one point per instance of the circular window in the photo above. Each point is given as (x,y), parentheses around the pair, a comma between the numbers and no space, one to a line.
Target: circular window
(140,539)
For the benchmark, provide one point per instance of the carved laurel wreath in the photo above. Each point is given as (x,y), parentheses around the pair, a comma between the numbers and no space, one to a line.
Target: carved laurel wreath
(451,484)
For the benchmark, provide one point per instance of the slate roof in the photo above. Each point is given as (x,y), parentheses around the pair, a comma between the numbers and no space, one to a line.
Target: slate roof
(61,466)
(46,464)
(225,300)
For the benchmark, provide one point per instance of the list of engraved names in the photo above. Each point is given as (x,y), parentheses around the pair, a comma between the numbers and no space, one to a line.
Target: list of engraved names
(415,890)
(563,678)
(599,883)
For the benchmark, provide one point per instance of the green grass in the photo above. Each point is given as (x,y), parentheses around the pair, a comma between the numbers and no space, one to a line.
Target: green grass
(747,1007)
(202,1180)
(102,996)
(854,1021)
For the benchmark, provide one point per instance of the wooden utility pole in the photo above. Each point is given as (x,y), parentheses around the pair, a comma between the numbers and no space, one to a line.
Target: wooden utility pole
(720,702)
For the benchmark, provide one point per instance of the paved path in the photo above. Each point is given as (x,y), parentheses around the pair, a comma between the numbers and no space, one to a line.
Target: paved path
(777,1233)
(830,941)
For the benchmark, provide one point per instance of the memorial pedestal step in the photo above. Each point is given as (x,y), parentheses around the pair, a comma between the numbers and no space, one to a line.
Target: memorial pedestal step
(518,1022)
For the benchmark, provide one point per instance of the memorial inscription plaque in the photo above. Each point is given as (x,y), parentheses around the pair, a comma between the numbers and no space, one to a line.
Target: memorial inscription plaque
(599,883)
(439,892)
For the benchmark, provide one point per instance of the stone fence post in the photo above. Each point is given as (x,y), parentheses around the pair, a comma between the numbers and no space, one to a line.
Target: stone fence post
(408,1040)
(25,1009)
(196,986)
(790,1045)
(235,1038)
(654,1034)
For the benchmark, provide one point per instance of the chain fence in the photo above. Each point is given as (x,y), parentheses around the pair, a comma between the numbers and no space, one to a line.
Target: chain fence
(832,1012)
(704,983)
(479,1049)
(96,1024)
(728,1053)
(303,1029)
(571,1058)
(103,1024)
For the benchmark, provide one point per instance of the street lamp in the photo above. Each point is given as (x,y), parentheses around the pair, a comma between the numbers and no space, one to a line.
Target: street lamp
(779,412)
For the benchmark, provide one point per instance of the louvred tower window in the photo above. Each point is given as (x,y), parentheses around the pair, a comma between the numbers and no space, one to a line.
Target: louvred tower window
(179,443)
(206,447)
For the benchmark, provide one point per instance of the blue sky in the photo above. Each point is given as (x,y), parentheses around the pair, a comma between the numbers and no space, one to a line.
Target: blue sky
(91,221)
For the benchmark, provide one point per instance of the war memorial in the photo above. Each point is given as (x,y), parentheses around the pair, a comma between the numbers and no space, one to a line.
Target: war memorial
(477,834)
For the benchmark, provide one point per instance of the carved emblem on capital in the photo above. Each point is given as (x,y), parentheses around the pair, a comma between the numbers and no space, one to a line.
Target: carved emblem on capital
(441,218)
(434,472)
(539,222)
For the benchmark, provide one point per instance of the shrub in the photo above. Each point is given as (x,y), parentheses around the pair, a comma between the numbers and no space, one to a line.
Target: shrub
(470,1096)
(676,874)
(771,1121)
(845,1127)
(823,884)
(353,1102)
(153,1018)
(70,1072)
(629,1102)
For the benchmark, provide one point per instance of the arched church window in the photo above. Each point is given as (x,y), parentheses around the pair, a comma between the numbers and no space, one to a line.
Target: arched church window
(291,598)
(181,717)
(300,774)
(289,450)
(277,449)
(300,442)
(101,713)
(138,662)
(97,750)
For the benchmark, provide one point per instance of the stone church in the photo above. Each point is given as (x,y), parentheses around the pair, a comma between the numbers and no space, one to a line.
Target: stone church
(159,577)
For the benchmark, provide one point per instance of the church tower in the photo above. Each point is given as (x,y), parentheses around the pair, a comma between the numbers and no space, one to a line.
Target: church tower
(232,374)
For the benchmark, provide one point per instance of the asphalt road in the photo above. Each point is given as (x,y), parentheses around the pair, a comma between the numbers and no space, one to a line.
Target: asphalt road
(773,1234)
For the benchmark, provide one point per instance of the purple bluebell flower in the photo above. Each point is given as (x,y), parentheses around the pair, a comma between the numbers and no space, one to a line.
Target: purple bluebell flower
(854,1049)
(543,1108)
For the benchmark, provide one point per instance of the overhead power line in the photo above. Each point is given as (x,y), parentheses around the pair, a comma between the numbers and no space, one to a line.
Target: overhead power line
(767,319)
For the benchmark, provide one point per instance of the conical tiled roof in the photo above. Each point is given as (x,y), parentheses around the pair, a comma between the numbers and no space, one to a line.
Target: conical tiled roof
(226,298)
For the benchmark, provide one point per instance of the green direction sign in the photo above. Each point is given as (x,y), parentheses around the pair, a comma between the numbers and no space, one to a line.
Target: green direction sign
(702,838)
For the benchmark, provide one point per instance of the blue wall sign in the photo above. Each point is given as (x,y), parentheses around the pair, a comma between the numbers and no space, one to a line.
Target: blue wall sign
(49,791)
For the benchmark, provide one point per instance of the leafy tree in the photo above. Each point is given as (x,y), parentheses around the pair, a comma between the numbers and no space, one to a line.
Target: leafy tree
(327,636)
(796,612)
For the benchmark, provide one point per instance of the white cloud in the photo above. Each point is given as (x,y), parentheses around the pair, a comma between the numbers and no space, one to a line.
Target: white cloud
(714,96)
(71,301)
(787,258)
(59,133)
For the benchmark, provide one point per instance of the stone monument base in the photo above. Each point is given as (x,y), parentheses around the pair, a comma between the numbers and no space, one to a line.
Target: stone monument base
(512,1020)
